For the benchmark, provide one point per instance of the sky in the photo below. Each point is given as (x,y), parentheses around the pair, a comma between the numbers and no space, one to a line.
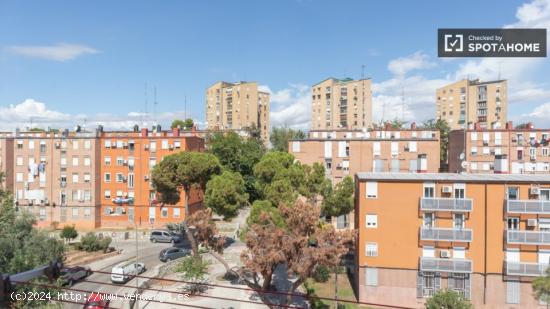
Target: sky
(64,63)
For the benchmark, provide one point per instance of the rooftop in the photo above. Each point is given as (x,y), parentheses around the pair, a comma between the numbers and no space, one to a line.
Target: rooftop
(451,177)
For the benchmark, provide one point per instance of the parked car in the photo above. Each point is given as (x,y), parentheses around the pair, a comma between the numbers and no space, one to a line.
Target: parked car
(70,275)
(164,236)
(169,254)
(97,301)
(124,272)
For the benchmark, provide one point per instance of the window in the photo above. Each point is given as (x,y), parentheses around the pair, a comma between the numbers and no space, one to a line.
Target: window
(460,283)
(164,212)
(164,144)
(371,276)
(458,220)
(87,177)
(119,177)
(513,223)
(130,180)
(512,292)
(152,162)
(176,213)
(119,161)
(177,144)
(473,136)
(75,177)
(376,148)
(394,148)
(474,150)
(460,190)
(429,190)
(372,221)
(75,161)
(429,219)
(63,161)
(42,214)
(343,149)
(19,144)
(486,150)
(412,147)
(75,212)
(372,189)
(428,251)
(107,194)
(87,161)
(87,211)
(75,194)
(107,144)
(19,161)
(87,145)
(153,146)
(75,145)
(31,144)
(459,253)
(342,221)
(544,152)
(533,153)
(513,193)
(371,249)
(295,146)
(427,284)
(87,195)
(107,177)
(119,193)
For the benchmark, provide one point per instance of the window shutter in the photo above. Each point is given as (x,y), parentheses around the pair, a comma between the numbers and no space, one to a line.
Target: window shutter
(437,282)
(467,287)
(512,292)
(419,281)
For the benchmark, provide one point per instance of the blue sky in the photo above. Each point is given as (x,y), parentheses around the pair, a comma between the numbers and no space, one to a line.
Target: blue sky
(65,61)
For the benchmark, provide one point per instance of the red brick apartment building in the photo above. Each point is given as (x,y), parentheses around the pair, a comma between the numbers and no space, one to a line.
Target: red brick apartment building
(508,150)
(484,236)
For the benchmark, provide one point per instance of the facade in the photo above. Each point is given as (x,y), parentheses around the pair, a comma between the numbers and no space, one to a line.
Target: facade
(341,104)
(466,102)
(127,158)
(237,106)
(484,236)
(55,177)
(506,150)
(6,160)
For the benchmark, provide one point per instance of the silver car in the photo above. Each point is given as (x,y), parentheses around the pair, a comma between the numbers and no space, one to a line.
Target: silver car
(169,254)
(164,236)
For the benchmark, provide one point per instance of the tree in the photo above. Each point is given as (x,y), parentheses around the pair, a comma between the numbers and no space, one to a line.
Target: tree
(302,246)
(397,124)
(68,233)
(186,124)
(280,136)
(447,299)
(523,126)
(444,131)
(193,269)
(340,200)
(225,194)
(184,171)
(541,287)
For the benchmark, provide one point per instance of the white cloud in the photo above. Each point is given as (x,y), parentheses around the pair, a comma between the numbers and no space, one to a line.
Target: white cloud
(417,61)
(290,107)
(58,52)
(36,114)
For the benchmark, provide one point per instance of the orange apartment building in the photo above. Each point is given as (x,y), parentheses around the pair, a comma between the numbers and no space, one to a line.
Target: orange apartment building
(126,160)
(346,152)
(55,177)
(6,159)
(507,150)
(484,236)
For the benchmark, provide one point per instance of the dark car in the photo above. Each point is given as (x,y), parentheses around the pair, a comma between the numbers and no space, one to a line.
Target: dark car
(164,236)
(97,301)
(71,275)
(169,254)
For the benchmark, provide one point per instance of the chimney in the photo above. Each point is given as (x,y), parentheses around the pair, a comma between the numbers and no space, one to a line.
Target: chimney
(477,126)
(530,126)
(144,132)
(136,128)
(413,126)
(509,125)
(422,163)
(176,131)
(501,164)
(388,126)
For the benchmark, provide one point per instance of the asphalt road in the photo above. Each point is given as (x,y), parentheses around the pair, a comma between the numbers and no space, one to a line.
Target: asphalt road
(101,282)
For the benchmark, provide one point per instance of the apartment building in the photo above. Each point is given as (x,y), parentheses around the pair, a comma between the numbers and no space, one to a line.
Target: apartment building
(55,177)
(127,159)
(6,160)
(237,106)
(341,104)
(466,102)
(503,151)
(484,236)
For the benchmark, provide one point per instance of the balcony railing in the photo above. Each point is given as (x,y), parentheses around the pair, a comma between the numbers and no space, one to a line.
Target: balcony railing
(446,265)
(446,204)
(528,237)
(528,206)
(446,234)
(525,269)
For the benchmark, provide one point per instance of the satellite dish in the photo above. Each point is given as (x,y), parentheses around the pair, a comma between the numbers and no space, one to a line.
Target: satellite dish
(464,164)
(461,157)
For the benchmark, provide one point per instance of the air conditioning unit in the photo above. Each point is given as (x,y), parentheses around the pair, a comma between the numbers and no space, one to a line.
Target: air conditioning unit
(447,189)
(535,191)
(57,145)
(125,144)
(146,177)
(445,254)
(125,162)
(146,147)
(532,222)
(171,147)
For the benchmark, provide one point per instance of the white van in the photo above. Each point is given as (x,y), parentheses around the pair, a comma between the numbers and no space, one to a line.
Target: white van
(125,271)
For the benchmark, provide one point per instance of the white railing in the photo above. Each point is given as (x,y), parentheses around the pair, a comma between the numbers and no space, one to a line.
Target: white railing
(528,206)
(446,234)
(525,269)
(528,237)
(446,265)
(446,204)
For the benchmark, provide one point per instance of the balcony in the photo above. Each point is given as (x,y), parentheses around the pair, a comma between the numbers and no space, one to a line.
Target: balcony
(528,206)
(528,237)
(445,265)
(525,269)
(446,234)
(446,204)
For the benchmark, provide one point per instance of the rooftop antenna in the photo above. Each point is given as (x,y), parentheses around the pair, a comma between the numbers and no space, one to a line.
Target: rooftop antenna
(155,105)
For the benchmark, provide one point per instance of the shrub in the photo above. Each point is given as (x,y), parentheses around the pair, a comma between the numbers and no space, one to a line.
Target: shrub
(68,233)
(193,270)
(90,242)
(322,274)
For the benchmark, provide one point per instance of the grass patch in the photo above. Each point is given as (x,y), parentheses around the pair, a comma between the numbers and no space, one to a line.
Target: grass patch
(345,292)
